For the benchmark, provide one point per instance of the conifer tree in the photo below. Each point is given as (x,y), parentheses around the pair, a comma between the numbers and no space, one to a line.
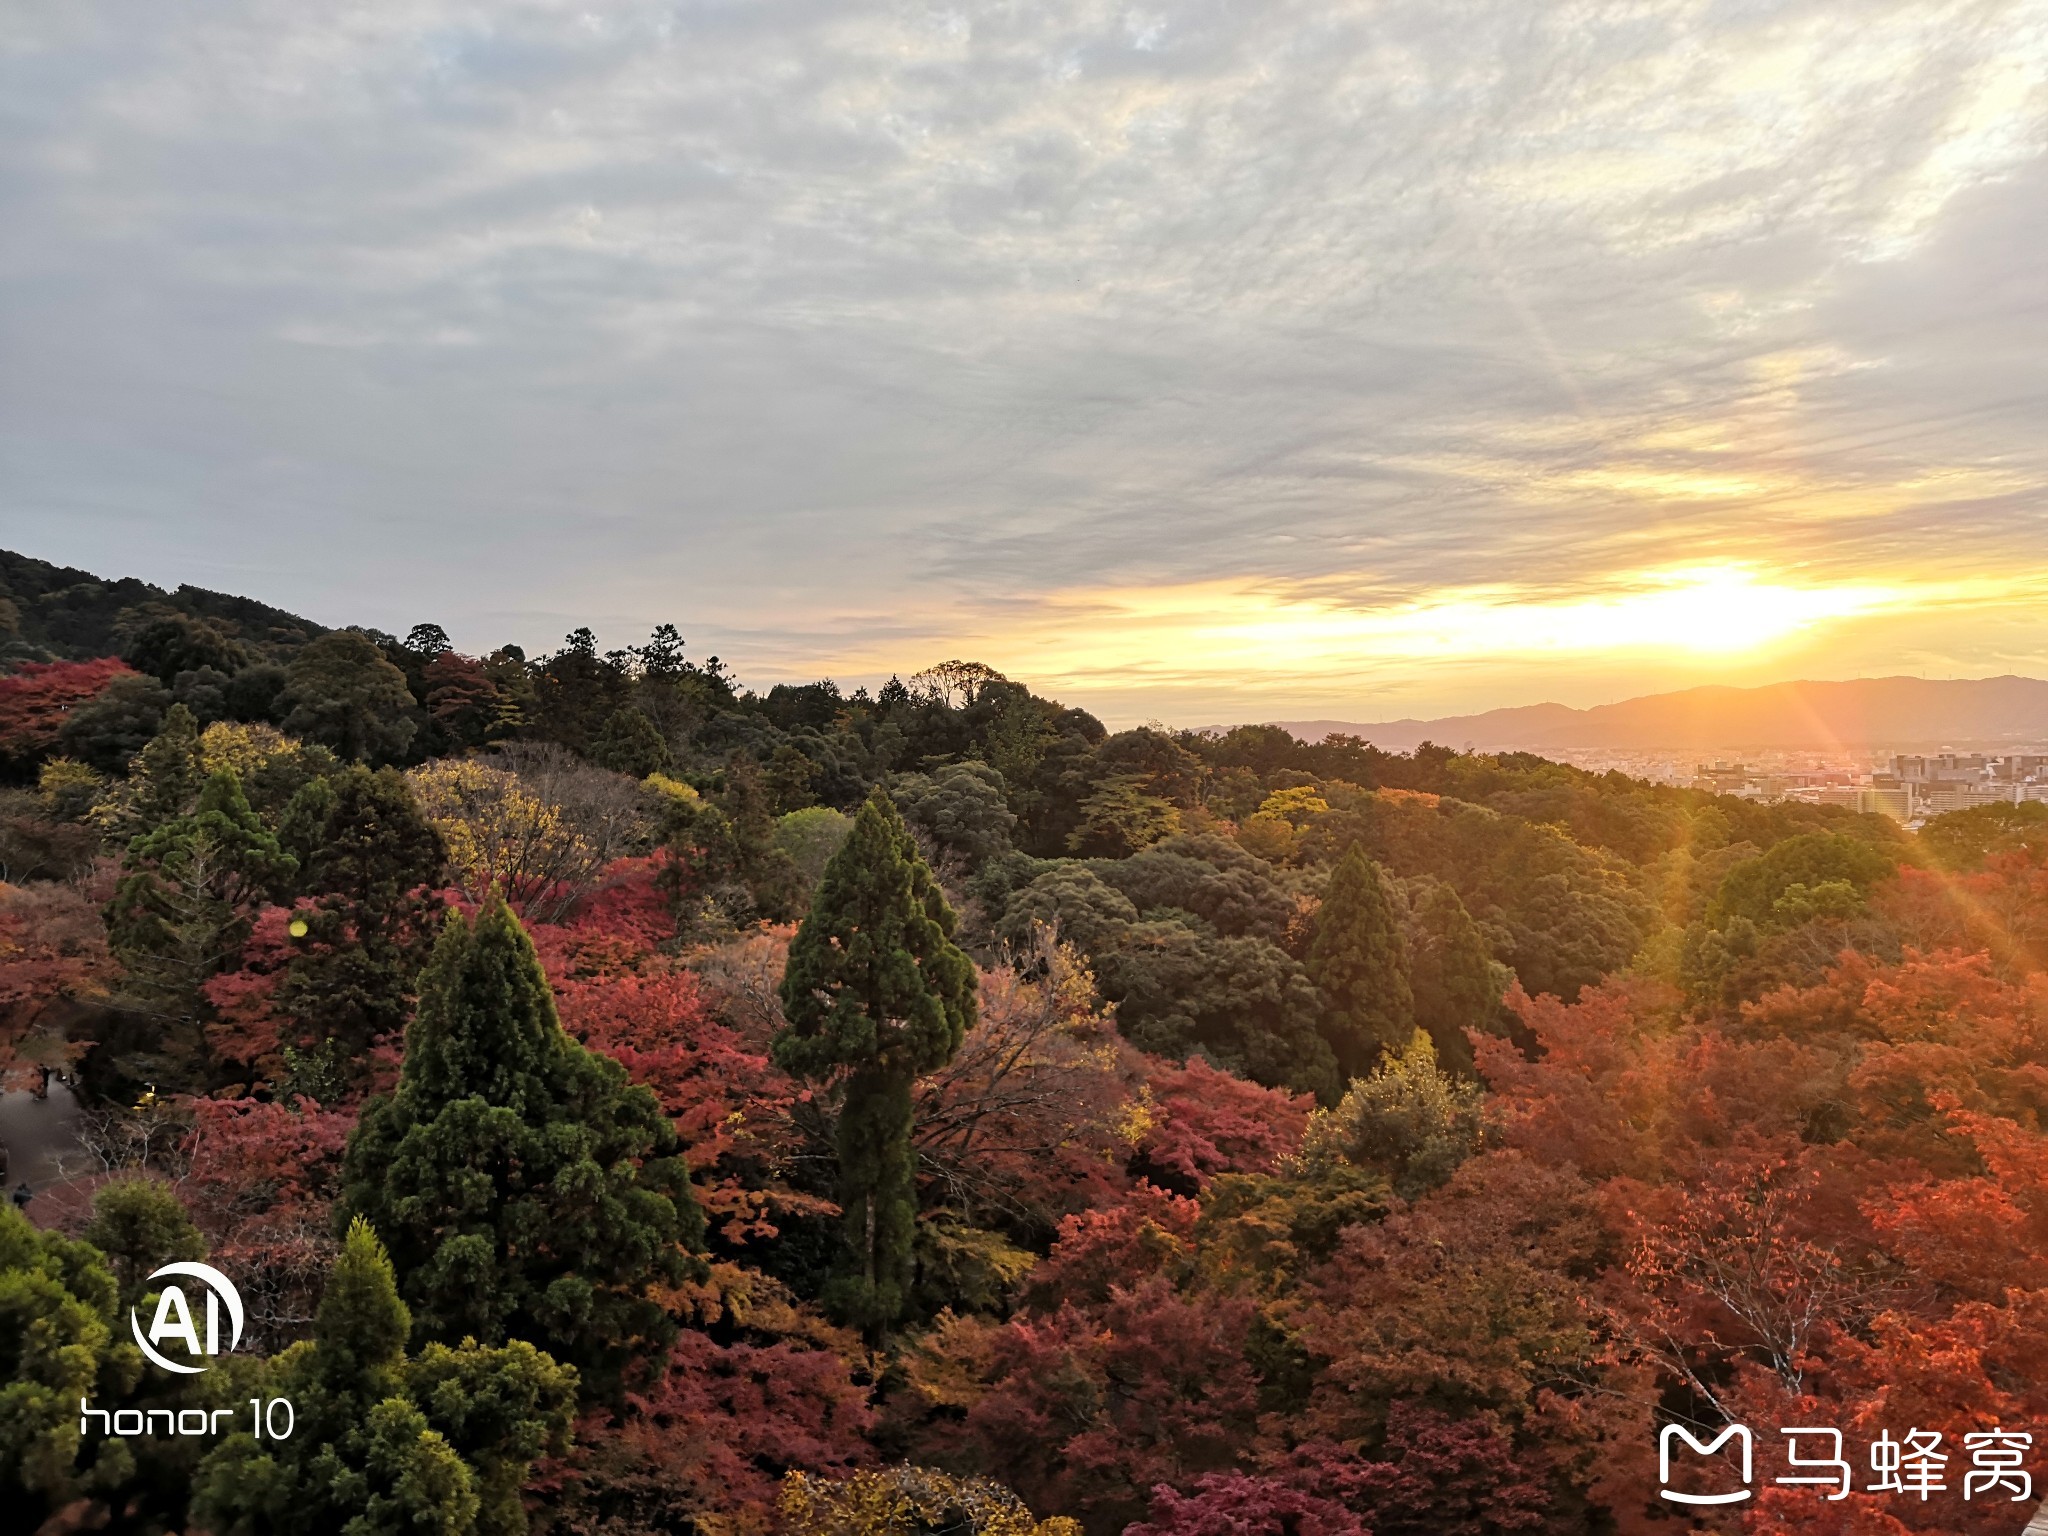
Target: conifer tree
(164,779)
(1360,961)
(1457,983)
(191,887)
(370,861)
(527,1190)
(437,1443)
(876,994)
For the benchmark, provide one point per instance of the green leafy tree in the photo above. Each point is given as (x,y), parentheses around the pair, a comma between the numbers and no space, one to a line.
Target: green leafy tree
(1359,959)
(189,894)
(140,1225)
(1963,840)
(810,837)
(631,743)
(876,994)
(342,693)
(1119,817)
(116,723)
(1410,1120)
(528,1191)
(1812,859)
(962,807)
(180,642)
(1243,1003)
(1456,982)
(371,861)
(59,1343)
(436,1444)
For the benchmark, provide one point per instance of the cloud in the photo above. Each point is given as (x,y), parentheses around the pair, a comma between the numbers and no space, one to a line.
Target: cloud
(816,320)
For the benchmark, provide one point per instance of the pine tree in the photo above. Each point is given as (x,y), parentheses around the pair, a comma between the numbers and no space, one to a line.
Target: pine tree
(191,887)
(1457,983)
(437,1443)
(1360,961)
(371,861)
(876,994)
(527,1190)
(164,779)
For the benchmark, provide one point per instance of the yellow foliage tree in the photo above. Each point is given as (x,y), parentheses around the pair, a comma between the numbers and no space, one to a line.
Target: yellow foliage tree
(909,1501)
(501,833)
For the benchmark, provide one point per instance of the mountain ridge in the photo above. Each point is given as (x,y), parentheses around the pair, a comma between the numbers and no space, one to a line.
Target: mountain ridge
(2007,710)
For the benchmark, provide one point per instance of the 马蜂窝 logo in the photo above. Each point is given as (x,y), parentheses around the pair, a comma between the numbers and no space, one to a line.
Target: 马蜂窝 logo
(174,1318)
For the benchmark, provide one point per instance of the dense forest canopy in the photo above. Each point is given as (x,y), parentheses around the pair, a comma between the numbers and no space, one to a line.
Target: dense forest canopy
(631,1102)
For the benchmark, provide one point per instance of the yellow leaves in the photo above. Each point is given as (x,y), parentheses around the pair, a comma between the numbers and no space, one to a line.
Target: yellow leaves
(1135,1119)
(672,789)
(243,748)
(909,1501)
(498,831)
(1297,806)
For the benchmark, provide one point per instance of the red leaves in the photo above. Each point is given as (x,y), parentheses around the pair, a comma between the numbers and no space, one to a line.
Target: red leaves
(1205,1122)
(51,946)
(38,696)
(1090,1408)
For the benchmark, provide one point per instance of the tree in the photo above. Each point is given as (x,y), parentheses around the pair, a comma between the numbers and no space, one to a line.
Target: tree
(630,743)
(1963,840)
(466,701)
(38,698)
(371,861)
(504,832)
(1119,817)
(1360,961)
(1242,1002)
(1755,890)
(436,1444)
(1457,984)
(58,1345)
(342,693)
(116,723)
(960,806)
(139,1225)
(810,837)
(503,1129)
(190,891)
(1409,1120)
(164,779)
(180,642)
(911,1501)
(876,994)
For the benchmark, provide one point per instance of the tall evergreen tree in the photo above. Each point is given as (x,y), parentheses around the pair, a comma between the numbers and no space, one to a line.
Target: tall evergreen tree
(371,861)
(1457,983)
(876,994)
(191,887)
(1360,961)
(527,1190)
(433,1445)
(164,779)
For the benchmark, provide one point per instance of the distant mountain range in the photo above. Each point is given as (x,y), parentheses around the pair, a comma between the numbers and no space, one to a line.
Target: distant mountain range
(1868,712)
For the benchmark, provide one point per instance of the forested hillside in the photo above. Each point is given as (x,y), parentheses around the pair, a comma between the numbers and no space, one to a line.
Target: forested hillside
(629,1102)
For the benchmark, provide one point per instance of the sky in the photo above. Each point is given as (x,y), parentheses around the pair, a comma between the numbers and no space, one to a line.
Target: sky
(1224,360)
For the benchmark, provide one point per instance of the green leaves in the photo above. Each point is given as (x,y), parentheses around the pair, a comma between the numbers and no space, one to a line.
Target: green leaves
(528,1191)
(876,993)
(383,1443)
(1360,961)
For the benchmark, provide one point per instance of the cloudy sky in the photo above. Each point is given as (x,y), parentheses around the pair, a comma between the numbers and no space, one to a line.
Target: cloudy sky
(1216,360)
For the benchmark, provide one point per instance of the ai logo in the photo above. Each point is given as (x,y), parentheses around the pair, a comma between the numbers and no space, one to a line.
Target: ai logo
(174,1316)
